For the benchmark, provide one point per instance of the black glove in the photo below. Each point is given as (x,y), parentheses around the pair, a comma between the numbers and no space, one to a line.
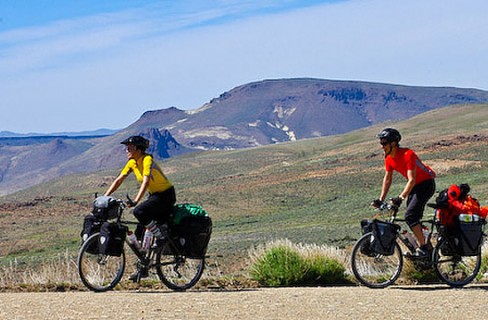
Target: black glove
(397,201)
(129,203)
(377,203)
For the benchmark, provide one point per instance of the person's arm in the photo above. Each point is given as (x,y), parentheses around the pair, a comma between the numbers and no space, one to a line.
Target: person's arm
(142,189)
(115,185)
(387,180)
(411,179)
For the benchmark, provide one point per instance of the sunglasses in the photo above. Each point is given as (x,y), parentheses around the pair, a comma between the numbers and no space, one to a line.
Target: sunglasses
(384,143)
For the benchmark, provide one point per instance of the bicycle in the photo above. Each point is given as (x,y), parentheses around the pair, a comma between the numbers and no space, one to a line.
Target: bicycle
(175,269)
(376,269)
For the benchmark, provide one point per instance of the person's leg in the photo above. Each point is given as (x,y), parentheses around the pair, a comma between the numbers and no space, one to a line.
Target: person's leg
(145,211)
(156,210)
(415,208)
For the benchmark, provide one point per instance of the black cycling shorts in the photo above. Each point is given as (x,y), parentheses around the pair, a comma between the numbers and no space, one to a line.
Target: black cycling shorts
(158,207)
(416,201)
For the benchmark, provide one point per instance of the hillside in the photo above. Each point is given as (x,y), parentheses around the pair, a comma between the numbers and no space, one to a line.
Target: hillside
(314,190)
(254,114)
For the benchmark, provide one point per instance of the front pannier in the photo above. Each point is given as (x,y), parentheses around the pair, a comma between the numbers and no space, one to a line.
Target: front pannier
(105,208)
(366,248)
(91,225)
(112,237)
(384,237)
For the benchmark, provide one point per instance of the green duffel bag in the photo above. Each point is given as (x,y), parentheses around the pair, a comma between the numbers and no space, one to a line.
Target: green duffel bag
(187,210)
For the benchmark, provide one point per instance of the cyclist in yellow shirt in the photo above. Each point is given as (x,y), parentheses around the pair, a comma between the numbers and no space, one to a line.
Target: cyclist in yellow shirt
(158,207)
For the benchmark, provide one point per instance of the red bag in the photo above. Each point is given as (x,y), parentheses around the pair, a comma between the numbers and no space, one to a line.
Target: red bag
(458,202)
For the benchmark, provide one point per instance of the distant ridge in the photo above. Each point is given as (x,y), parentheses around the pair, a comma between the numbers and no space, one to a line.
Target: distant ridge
(255,114)
(93,133)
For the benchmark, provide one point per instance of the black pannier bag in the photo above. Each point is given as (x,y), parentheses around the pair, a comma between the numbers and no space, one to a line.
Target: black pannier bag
(91,225)
(366,226)
(366,248)
(384,237)
(467,237)
(192,235)
(112,237)
(105,208)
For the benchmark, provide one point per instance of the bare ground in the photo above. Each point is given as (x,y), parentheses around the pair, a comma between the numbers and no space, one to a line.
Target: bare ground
(398,302)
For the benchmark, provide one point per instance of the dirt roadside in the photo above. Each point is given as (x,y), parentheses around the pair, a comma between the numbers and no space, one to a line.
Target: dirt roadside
(420,302)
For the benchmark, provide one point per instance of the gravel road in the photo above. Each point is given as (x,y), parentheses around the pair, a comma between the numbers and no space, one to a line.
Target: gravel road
(420,302)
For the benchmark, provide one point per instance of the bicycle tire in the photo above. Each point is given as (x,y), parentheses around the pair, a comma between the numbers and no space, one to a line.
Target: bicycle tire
(452,268)
(177,271)
(99,272)
(375,270)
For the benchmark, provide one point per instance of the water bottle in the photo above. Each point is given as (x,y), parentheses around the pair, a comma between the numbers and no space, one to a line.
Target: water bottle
(410,239)
(425,232)
(146,242)
(132,239)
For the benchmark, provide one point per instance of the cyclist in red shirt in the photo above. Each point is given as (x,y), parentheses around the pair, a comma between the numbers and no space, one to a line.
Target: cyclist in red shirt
(420,184)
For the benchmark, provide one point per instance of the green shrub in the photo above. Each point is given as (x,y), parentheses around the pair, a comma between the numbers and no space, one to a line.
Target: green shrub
(279,266)
(324,270)
(285,264)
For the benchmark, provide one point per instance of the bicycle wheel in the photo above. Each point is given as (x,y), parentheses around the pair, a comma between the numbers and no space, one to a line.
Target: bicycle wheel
(99,272)
(178,272)
(453,269)
(372,269)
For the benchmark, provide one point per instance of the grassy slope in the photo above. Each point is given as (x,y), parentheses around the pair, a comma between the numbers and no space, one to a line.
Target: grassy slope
(312,191)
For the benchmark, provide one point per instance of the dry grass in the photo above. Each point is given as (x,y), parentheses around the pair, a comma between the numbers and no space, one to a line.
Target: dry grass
(55,274)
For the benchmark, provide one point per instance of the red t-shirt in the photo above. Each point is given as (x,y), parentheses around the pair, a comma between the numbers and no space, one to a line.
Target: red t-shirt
(405,159)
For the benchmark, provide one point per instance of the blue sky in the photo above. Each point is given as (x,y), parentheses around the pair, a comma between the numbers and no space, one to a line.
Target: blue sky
(89,64)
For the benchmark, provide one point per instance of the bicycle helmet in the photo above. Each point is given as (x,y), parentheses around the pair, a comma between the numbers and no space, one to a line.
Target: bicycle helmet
(138,141)
(390,135)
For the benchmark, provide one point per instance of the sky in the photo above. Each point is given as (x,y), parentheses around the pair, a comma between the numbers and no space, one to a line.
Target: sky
(80,65)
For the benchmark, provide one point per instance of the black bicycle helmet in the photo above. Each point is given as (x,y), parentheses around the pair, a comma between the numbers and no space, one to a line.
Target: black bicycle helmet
(390,135)
(138,141)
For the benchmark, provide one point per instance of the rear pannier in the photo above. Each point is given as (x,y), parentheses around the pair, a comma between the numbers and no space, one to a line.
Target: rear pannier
(192,228)
(468,237)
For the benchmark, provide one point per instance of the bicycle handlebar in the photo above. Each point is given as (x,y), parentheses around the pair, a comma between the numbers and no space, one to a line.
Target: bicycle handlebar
(385,206)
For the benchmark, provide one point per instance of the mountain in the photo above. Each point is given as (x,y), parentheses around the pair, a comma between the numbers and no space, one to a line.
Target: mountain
(274,111)
(255,114)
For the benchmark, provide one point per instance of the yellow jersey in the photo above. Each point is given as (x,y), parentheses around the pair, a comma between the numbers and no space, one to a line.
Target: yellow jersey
(145,166)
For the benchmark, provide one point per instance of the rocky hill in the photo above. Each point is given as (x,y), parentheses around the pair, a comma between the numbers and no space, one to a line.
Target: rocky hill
(274,111)
(260,113)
